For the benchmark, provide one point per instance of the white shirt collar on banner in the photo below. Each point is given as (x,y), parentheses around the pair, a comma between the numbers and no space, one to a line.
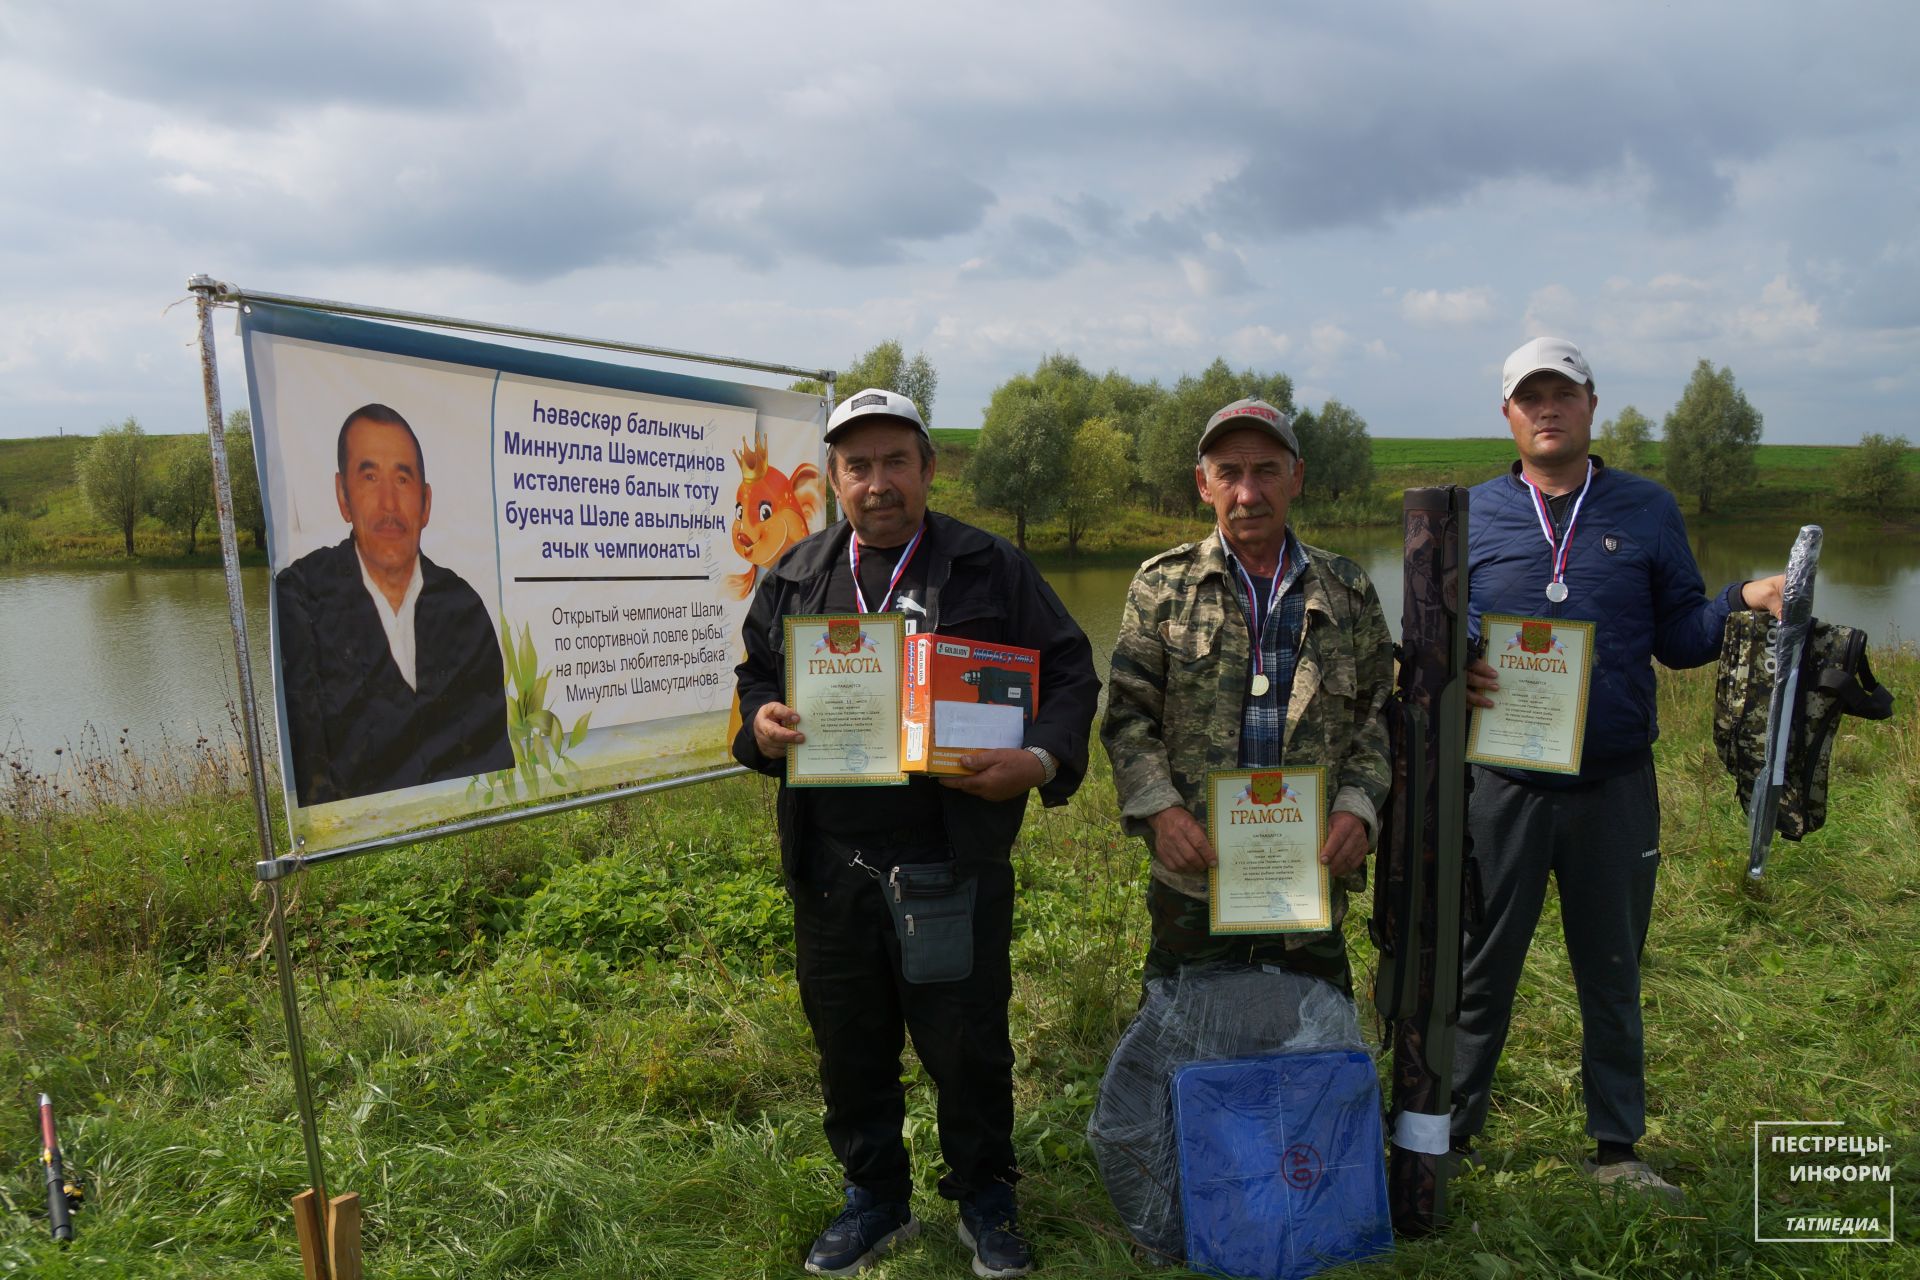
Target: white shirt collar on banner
(398,622)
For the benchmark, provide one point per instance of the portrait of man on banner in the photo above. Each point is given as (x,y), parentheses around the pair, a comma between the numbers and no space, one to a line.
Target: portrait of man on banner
(390,663)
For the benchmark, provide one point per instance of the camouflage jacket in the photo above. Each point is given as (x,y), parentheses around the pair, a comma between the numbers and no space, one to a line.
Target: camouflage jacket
(1180,668)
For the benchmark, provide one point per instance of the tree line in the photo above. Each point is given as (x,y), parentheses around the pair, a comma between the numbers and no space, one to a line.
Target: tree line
(1065,442)
(126,474)
(1712,435)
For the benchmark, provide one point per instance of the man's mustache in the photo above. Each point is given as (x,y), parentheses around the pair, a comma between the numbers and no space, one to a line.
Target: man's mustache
(880,501)
(1257,512)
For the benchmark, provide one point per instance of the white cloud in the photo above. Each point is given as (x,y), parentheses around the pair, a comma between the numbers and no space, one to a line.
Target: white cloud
(709,177)
(1256,343)
(1457,308)
(1783,315)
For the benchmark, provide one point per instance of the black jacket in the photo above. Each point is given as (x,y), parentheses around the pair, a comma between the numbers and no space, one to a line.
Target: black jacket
(978,587)
(354,726)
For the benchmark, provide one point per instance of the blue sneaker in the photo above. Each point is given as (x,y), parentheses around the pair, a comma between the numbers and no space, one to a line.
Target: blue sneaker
(865,1229)
(990,1226)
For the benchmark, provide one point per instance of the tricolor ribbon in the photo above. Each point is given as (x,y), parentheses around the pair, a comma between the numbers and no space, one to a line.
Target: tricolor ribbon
(1257,623)
(1564,545)
(853,563)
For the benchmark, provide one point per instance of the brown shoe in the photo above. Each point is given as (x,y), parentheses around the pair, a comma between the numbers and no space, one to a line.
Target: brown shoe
(1636,1175)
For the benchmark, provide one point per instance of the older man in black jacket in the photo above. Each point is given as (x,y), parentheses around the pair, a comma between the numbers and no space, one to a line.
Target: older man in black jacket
(391,671)
(891,553)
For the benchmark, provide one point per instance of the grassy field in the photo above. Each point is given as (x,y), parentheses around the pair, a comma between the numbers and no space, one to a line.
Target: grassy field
(1793,484)
(573,1048)
(37,484)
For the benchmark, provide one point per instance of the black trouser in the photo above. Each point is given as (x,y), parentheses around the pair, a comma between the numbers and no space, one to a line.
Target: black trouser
(859,1007)
(1602,845)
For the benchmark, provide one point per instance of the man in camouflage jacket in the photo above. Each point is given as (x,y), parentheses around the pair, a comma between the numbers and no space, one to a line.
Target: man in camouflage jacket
(1192,691)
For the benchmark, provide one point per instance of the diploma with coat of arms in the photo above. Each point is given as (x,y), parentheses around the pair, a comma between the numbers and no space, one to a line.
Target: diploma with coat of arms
(1267,827)
(1539,715)
(843,677)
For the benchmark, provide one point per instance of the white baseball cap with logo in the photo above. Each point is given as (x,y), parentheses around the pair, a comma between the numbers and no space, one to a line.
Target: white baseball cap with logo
(875,402)
(1543,355)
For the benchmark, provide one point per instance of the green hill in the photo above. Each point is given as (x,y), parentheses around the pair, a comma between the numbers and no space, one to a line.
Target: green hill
(34,472)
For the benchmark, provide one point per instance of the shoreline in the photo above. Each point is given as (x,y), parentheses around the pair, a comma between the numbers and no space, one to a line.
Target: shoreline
(1047,546)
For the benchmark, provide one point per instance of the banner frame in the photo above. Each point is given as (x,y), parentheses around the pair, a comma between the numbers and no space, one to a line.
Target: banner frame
(271,868)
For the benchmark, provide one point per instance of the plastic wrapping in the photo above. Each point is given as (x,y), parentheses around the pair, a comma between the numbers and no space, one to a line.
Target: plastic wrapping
(1204,1013)
(1281,1170)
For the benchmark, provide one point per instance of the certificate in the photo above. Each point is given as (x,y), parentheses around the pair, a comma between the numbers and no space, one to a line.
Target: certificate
(1539,715)
(1267,826)
(843,677)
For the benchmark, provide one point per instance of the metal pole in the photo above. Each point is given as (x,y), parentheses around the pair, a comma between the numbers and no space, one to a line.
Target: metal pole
(287,864)
(224,292)
(204,290)
(833,511)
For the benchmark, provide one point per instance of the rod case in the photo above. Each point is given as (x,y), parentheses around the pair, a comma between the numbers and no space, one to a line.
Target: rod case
(1420,885)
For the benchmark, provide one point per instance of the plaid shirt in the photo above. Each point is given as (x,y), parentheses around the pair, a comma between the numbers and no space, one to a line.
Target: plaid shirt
(1263,721)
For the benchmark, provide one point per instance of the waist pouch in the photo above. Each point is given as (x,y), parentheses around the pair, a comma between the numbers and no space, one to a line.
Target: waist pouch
(932,910)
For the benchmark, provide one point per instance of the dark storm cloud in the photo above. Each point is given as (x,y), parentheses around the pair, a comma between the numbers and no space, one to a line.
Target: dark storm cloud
(1027,248)
(862,215)
(1430,141)
(217,56)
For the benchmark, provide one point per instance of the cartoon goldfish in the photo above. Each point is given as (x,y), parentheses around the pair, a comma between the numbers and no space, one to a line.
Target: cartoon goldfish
(770,513)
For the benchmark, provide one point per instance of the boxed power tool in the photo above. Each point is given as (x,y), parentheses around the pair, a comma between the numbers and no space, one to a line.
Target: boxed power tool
(959,696)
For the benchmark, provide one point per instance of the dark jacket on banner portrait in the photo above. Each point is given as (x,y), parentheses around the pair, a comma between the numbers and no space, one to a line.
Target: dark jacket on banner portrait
(355,728)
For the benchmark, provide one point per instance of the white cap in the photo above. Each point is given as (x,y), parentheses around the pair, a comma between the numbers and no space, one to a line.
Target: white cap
(875,402)
(1550,354)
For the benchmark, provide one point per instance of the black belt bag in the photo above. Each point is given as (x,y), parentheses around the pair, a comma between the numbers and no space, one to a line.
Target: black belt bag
(932,910)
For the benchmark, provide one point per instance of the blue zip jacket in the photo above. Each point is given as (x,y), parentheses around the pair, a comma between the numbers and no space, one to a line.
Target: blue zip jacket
(1630,572)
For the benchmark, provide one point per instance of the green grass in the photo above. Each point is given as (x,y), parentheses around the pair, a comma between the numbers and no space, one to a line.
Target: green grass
(573,1047)
(33,471)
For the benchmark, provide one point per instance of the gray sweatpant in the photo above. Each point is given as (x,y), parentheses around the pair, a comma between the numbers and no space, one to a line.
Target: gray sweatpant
(1602,844)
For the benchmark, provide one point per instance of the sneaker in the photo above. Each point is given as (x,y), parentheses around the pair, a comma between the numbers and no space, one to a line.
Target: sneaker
(990,1226)
(1636,1175)
(865,1229)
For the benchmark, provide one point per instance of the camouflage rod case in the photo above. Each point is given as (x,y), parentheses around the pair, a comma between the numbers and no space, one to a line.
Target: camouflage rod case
(1419,886)
(1835,680)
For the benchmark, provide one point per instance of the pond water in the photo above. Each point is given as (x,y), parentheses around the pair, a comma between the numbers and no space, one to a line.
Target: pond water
(1866,579)
(88,656)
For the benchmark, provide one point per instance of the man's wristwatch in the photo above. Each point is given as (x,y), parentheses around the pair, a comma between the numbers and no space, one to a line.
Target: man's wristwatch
(1047,762)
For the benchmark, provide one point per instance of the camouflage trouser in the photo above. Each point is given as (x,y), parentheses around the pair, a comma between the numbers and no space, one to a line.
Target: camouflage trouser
(1180,937)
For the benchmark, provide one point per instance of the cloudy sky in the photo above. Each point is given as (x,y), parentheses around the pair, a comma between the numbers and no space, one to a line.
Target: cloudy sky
(1379,199)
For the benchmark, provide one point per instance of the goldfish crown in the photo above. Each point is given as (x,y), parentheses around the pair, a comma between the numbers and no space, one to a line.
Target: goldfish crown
(753,461)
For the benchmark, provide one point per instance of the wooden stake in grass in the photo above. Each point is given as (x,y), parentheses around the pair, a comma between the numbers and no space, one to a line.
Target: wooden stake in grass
(341,1232)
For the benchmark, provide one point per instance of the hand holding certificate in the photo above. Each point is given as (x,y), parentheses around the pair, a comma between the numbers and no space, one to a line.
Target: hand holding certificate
(1267,827)
(1539,717)
(843,677)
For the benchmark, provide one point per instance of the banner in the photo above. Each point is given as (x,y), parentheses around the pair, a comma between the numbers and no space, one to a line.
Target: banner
(503,575)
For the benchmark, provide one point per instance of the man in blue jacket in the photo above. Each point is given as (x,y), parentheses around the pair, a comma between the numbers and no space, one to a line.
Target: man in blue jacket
(1563,536)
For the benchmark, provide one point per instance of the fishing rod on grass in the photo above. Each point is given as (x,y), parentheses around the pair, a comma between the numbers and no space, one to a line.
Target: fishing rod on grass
(62,1193)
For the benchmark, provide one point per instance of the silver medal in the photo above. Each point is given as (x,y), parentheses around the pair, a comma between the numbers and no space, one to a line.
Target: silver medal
(1260,685)
(1556,591)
